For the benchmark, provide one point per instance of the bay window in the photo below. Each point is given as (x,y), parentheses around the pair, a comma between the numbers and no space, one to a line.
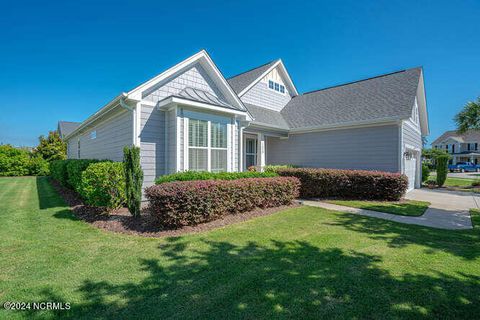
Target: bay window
(207,145)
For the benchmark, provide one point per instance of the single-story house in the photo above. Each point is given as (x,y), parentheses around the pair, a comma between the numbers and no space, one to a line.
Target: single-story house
(190,117)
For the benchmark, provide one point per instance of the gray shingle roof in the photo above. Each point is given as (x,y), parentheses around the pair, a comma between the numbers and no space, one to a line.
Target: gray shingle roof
(387,96)
(203,96)
(243,80)
(266,117)
(469,136)
(67,127)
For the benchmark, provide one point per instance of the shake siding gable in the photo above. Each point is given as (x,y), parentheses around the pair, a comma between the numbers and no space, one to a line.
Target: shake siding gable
(261,95)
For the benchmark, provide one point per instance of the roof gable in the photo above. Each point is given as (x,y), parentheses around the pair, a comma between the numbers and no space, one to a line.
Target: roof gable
(66,127)
(243,82)
(469,136)
(207,65)
(387,97)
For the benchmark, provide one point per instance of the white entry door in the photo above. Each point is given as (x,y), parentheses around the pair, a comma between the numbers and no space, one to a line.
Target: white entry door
(410,171)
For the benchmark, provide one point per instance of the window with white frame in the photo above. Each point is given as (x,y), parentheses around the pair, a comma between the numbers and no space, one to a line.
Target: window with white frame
(276,86)
(93,135)
(197,145)
(207,145)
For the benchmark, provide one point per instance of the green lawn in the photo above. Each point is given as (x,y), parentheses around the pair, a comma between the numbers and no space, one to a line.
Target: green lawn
(300,263)
(459,182)
(404,208)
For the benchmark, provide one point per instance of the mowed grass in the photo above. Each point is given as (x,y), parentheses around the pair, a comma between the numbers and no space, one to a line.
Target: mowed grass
(405,207)
(300,263)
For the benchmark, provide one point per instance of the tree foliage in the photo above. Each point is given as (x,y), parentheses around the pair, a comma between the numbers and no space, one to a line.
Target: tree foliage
(21,162)
(133,179)
(432,154)
(51,147)
(469,117)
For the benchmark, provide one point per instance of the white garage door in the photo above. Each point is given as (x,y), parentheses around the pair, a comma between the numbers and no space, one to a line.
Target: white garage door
(410,171)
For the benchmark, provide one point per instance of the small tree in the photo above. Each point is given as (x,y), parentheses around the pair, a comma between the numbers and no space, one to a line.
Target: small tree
(425,172)
(133,179)
(52,147)
(469,117)
(442,169)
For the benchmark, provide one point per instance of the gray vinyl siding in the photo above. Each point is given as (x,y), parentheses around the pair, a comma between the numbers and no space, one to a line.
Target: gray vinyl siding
(194,77)
(152,143)
(171,130)
(261,95)
(368,148)
(411,136)
(113,133)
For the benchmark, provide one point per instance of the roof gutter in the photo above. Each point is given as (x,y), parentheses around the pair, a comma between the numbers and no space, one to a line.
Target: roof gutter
(108,107)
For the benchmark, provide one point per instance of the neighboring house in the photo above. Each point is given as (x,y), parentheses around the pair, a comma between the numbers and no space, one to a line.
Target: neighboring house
(462,147)
(66,127)
(191,118)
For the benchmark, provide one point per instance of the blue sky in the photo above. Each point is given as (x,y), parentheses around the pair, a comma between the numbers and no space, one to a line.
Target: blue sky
(64,60)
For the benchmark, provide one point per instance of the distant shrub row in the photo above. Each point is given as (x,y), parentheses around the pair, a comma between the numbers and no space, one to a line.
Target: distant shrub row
(20,162)
(182,203)
(204,175)
(348,184)
(99,183)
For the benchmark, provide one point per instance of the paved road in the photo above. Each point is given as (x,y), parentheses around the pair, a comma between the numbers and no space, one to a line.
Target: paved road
(448,209)
(468,175)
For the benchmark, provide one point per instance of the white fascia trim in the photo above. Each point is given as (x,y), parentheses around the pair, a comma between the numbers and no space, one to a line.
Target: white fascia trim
(347,125)
(263,75)
(170,102)
(108,107)
(422,106)
(266,126)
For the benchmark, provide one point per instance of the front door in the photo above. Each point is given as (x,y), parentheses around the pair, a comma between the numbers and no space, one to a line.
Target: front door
(250,152)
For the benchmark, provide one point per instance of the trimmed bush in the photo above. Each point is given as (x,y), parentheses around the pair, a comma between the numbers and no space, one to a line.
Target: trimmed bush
(204,175)
(442,169)
(74,169)
(103,185)
(133,179)
(274,168)
(182,203)
(348,184)
(425,172)
(58,171)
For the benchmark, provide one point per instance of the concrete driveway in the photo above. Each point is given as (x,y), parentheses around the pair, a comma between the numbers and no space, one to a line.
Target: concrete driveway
(448,209)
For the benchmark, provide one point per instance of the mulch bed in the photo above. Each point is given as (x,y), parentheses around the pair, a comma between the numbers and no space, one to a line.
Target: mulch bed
(121,221)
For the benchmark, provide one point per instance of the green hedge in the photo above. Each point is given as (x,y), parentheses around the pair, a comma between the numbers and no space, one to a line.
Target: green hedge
(20,162)
(203,175)
(74,170)
(103,185)
(58,171)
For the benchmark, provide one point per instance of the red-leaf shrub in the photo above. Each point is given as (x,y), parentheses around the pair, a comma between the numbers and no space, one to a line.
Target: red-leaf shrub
(184,203)
(348,184)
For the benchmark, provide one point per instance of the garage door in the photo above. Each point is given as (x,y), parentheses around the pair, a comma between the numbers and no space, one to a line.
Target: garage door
(410,170)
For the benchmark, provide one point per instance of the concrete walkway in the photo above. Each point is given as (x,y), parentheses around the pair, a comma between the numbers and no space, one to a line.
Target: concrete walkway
(448,209)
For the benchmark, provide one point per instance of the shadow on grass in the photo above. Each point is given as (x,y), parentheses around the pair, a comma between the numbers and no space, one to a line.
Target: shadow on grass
(282,279)
(463,243)
(47,196)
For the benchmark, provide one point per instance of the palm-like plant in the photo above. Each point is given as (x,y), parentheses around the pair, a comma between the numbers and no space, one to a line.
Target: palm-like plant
(469,117)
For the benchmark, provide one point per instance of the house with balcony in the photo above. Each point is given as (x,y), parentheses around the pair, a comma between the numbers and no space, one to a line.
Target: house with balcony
(462,147)
(190,117)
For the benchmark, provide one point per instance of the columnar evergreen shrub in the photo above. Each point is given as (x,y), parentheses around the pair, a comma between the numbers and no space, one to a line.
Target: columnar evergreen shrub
(425,172)
(442,169)
(204,175)
(133,179)
(182,203)
(103,185)
(348,184)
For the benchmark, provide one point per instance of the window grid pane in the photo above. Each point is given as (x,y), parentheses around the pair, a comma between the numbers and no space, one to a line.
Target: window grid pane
(197,133)
(219,160)
(197,159)
(219,135)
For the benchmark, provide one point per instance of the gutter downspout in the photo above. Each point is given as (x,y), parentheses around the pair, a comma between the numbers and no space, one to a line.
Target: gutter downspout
(124,105)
